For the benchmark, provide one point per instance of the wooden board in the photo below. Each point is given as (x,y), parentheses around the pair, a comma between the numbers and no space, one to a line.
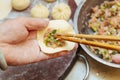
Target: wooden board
(44,70)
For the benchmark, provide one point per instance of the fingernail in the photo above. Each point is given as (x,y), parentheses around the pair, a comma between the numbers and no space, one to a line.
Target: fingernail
(3,63)
(46,19)
(46,22)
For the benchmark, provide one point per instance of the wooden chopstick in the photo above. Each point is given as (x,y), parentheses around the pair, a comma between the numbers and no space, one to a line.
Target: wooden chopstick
(97,37)
(91,43)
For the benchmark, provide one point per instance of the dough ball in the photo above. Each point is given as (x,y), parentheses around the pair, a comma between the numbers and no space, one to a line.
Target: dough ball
(50,1)
(20,4)
(61,11)
(5,8)
(40,11)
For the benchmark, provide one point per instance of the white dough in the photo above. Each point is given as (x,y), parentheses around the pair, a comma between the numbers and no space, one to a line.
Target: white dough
(61,11)
(61,26)
(50,1)
(40,11)
(5,8)
(20,4)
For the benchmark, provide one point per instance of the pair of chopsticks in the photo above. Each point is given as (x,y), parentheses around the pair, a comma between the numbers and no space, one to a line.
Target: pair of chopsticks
(77,38)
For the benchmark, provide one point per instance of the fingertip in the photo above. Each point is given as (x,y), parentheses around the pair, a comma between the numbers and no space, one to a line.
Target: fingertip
(46,19)
(116,58)
(46,22)
(36,23)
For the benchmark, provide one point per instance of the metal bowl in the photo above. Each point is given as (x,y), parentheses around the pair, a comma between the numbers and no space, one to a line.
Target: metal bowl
(81,26)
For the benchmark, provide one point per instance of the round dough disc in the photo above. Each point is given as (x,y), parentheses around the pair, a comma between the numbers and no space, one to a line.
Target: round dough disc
(62,27)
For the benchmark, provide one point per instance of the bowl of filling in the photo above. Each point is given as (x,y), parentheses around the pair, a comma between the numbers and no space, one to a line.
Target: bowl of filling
(100,17)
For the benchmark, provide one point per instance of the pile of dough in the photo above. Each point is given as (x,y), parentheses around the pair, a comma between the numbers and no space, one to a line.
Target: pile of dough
(40,11)
(61,11)
(50,1)
(5,8)
(20,4)
(62,27)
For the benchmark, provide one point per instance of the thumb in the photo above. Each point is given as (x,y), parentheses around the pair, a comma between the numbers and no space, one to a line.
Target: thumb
(35,23)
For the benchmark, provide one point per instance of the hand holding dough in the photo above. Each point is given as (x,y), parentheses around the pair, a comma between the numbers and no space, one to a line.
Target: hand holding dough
(62,27)
(20,4)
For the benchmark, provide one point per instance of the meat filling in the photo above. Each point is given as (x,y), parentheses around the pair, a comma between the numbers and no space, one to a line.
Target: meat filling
(51,41)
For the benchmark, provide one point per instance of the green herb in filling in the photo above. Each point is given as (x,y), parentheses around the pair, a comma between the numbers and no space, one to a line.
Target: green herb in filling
(51,41)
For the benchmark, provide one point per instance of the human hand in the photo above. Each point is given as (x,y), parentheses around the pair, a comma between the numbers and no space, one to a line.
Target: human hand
(18,41)
(116,58)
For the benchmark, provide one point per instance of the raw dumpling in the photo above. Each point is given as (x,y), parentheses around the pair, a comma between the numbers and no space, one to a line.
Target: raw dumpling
(40,11)
(20,4)
(61,11)
(61,26)
(50,1)
(5,8)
